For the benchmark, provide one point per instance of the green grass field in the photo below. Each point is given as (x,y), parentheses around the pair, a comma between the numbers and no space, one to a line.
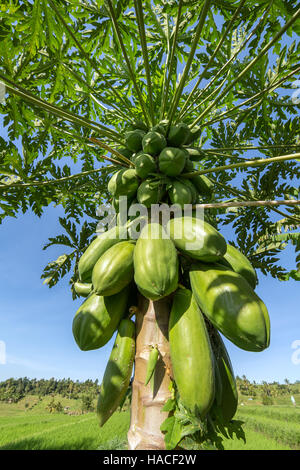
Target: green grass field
(275,427)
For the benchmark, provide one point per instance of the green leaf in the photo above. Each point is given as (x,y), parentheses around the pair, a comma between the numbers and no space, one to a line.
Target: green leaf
(170,405)
(172,429)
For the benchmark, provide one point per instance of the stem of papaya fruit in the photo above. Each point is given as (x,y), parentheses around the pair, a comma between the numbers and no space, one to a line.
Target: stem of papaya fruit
(152,319)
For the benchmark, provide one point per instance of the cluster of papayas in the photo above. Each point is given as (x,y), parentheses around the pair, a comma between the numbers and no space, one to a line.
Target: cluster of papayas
(218,296)
(211,283)
(106,280)
(161,156)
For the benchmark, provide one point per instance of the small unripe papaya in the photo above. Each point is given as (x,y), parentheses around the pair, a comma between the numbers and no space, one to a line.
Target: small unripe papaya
(118,372)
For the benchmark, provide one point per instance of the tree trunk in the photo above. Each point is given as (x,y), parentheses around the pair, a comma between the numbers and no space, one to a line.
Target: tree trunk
(152,320)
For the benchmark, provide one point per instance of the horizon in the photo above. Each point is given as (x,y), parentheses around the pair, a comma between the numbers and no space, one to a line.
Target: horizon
(237,377)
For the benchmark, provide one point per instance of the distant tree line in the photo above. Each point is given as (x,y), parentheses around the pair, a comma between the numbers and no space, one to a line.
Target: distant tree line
(12,390)
(266,389)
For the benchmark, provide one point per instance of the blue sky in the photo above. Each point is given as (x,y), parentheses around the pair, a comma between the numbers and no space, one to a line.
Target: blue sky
(36,322)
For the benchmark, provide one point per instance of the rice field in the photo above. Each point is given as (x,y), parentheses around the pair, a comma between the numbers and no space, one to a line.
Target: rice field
(266,428)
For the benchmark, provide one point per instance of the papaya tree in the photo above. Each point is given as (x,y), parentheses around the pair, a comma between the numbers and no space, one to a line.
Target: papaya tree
(165,102)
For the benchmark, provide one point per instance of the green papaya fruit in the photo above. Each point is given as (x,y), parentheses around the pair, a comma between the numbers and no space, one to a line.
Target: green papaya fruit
(135,155)
(171,161)
(153,143)
(135,212)
(123,183)
(97,319)
(82,288)
(133,140)
(155,263)
(116,202)
(231,305)
(125,152)
(195,133)
(150,192)
(96,249)
(144,165)
(114,269)
(179,193)
(191,354)
(151,364)
(225,408)
(178,134)
(196,238)
(189,166)
(192,188)
(139,124)
(160,128)
(236,260)
(118,372)
(195,154)
(203,184)
(218,385)
(165,125)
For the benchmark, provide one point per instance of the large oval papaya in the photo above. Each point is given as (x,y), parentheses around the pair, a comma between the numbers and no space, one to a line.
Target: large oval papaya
(197,238)
(236,260)
(114,269)
(224,409)
(118,372)
(96,248)
(232,306)
(191,354)
(155,263)
(97,318)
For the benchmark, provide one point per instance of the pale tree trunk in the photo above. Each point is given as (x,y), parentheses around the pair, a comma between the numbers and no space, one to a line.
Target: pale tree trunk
(152,320)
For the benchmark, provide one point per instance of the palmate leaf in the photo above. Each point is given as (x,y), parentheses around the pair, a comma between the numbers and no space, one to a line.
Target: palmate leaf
(56,270)
(77,239)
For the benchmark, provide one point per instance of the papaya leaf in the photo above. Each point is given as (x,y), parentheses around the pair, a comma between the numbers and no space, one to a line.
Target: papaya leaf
(173,432)
(170,405)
